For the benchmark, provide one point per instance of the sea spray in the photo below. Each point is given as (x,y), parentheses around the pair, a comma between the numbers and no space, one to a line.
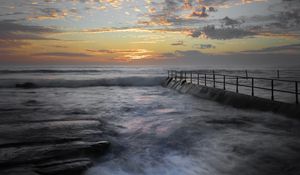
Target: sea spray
(62,83)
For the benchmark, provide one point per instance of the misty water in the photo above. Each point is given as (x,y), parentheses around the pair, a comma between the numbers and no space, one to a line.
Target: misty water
(154,130)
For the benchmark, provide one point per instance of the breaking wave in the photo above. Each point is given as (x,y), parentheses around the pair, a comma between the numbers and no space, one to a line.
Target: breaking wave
(56,71)
(62,83)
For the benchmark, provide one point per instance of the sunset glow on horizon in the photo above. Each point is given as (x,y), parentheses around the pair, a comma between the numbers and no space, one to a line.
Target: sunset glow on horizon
(149,31)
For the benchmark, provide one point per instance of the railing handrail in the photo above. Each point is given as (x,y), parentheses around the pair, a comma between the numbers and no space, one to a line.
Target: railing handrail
(239,76)
(214,80)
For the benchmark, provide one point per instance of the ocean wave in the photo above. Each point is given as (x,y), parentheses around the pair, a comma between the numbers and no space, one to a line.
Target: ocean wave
(55,71)
(62,83)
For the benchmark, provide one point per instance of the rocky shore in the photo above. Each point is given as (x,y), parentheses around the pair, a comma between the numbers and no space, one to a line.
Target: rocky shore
(53,146)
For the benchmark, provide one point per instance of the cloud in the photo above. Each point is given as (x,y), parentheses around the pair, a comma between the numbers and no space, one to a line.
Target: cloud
(14,34)
(13,26)
(195,57)
(120,29)
(23,36)
(289,49)
(205,46)
(115,51)
(200,12)
(212,19)
(4,44)
(58,46)
(11,30)
(170,12)
(221,33)
(285,18)
(178,43)
(13,14)
(50,13)
(226,33)
(230,22)
(124,54)
(194,16)
(62,54)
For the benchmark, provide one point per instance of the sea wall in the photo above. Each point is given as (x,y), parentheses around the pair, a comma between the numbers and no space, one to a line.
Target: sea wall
(233,99)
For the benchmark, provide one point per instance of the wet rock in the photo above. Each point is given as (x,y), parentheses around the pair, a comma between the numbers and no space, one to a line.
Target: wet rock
(50,147)
(48,132)
(99,147)
(236,122)
(18,171)
(64,167)
(30,154)
(27,85)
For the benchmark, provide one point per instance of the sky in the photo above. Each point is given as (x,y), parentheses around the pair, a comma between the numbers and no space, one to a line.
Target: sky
(208,32)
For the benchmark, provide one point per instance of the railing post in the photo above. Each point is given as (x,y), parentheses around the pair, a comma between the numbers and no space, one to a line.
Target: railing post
(185,76)
(252,86)
(214,78)
(246,74)
(296,92)
(168,74)
(198,77)
(224,82)
(191,77)
(180,75)
(175,75)
(205,79)
(278,74)
(237,84)
(272,89)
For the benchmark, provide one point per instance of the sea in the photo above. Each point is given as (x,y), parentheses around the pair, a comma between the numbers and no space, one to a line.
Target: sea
(158,131)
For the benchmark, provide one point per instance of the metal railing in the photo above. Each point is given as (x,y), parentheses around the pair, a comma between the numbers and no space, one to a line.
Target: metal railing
(215,79)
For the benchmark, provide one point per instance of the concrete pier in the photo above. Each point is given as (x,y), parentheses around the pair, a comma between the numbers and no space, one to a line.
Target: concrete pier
(232,98)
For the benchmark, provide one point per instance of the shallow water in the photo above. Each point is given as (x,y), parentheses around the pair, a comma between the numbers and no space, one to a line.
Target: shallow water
(157,131)
(162,132)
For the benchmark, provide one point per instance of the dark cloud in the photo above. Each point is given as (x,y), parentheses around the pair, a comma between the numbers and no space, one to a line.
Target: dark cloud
(226,33)
(14,33)
(285,17)
(290,19)
(221,33)
(291,49)
(14,26)
(169,12)
(58,46)
(198,22)
(195,57)
(230,22)
(212,9)
(200,13)
(178,43)
(12,14)
(204,46)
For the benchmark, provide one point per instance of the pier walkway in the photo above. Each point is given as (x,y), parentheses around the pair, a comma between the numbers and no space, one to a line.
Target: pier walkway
(275,89)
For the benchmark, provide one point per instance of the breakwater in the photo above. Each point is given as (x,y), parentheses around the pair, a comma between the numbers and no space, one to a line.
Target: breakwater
(232,98)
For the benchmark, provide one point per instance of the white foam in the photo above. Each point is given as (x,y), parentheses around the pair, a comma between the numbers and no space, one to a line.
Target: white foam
(57,83)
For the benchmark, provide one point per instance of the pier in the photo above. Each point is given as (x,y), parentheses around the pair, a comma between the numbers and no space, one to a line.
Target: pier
(238,91)
(234,83)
